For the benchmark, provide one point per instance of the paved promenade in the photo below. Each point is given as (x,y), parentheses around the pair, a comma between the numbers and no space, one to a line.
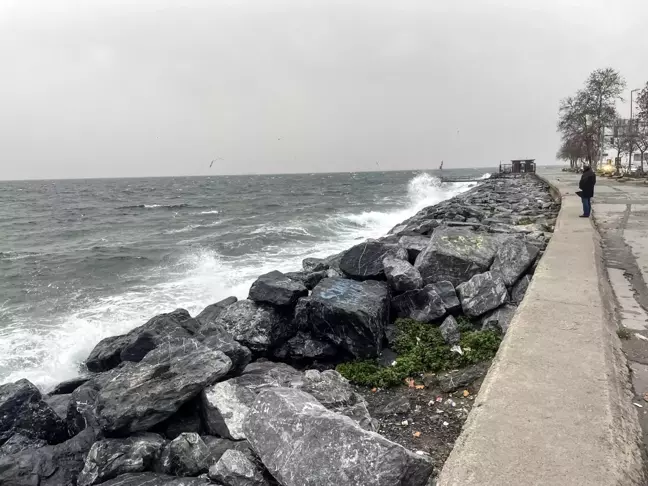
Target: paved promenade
(556,407)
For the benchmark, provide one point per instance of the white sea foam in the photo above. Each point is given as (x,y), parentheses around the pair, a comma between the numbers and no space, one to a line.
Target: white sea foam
(55,350)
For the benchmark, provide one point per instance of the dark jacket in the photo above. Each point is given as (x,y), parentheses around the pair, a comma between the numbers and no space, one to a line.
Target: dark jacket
(587,182)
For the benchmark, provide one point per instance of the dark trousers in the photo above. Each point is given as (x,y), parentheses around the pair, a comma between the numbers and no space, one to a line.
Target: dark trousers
(587,206)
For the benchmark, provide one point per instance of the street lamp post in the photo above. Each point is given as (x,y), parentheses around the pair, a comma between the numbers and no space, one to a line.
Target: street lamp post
(630,141)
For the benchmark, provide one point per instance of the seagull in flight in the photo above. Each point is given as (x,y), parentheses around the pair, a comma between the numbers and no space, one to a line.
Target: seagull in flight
(212,162)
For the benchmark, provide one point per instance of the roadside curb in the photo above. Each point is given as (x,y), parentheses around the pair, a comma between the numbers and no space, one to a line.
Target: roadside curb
(555,407)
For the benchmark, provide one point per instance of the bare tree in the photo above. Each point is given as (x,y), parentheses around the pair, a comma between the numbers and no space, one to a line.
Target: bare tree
(641,141)
(642,104)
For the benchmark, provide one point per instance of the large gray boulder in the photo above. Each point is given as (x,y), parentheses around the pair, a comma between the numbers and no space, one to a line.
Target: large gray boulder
(137,343)
(155,479)
(499,320)
(513,259)
(211,312)
(455,255)
(186,455)
(235,469)
(226,404)
(423,305)
(23,411)
(60,404)
(277,289)
(217,339)
(51,465)
(333,449)
(143,395)
(349,314)
(482,293)
(335,392)
(448,295)
(414,245)
(259,327)
(110,458)
(401,275)
(365,261)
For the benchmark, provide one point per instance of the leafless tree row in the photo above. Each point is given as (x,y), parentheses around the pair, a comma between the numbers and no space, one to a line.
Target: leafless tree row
(589,123)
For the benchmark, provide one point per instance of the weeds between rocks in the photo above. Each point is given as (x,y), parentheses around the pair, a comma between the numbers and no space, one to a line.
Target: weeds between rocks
(421,349)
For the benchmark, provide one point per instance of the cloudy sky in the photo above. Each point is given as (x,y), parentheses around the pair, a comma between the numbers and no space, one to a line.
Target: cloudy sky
(109,88)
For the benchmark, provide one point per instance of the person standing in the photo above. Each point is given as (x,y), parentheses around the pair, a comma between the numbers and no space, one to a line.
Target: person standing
(586,186)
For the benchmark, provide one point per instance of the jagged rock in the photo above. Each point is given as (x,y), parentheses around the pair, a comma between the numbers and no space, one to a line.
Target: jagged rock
(110,458)
(81,412)
(309,279)
(23,411)
(235,469)
(303,347)
(218,446)
(141,340)
(520,288)
(315,264)
(186,455)
(275,288)
(211,312)
(499,320)
(226,404)
(365,261)
(59,403)
(417,225)
(334,391)
(482,293)
(154,479)
(450,331)
(349,314)
(143,395)
(18,443)
(456,255)
(217,339)
(463,378)
(401,275)
(423,305)
(333,449)
(414,245)
(52,465)
(513,258)
(68,386)
(260,327)
(448,295)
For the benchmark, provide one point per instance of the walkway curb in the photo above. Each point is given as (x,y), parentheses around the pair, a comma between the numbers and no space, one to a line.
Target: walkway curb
(555,407)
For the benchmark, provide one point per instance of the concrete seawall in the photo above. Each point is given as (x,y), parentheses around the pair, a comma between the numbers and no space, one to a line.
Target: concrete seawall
(556,408)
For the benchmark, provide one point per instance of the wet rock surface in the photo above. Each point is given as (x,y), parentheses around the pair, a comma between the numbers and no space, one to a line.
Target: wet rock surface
(333,448)
(277,289)
(350,315)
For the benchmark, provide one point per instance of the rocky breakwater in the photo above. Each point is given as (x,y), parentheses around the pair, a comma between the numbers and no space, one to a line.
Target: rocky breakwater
(257,392)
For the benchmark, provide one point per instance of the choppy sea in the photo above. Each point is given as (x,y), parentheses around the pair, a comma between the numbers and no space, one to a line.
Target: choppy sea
(81,260)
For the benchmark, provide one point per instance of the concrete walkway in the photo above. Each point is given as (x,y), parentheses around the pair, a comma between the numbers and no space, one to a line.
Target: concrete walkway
(556,406)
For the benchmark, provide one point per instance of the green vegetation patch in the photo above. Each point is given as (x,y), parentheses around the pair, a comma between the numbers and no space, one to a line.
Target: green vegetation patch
(421,349)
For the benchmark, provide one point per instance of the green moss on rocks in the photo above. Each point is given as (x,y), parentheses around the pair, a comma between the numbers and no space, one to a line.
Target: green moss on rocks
(421,349)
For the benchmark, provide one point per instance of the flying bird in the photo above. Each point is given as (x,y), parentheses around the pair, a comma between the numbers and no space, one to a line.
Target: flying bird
(212,162)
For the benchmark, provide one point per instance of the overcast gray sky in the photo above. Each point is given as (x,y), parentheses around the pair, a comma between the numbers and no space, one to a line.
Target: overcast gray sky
(108,88)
